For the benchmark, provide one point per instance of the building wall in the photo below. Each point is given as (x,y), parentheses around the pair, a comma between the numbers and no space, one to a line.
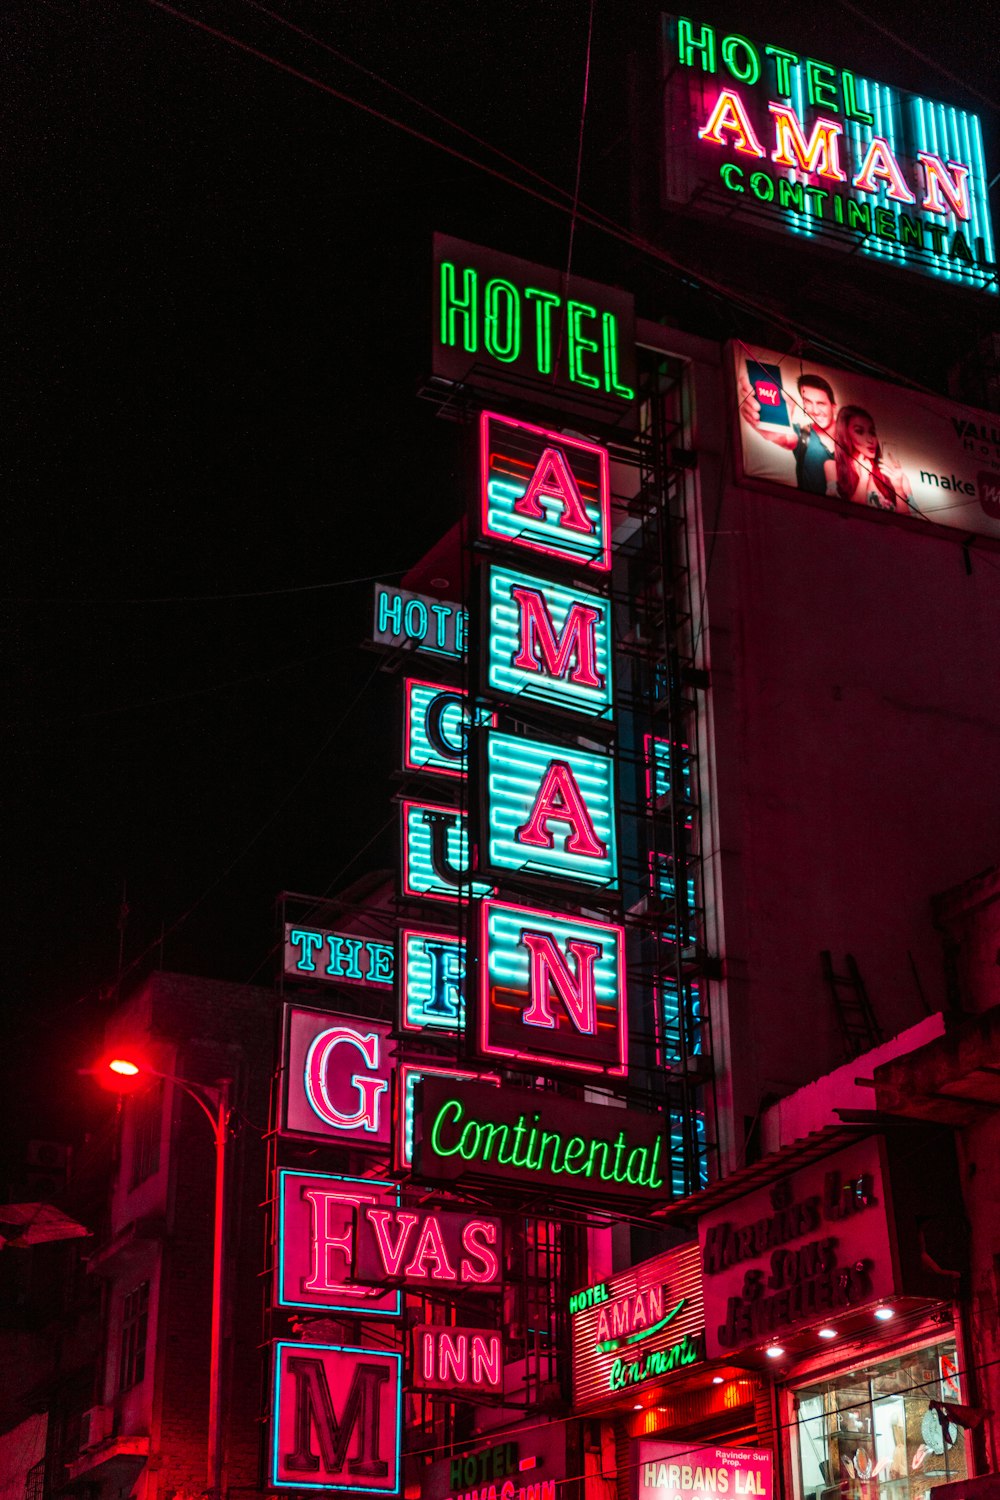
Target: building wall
(851,757)
(162,1232)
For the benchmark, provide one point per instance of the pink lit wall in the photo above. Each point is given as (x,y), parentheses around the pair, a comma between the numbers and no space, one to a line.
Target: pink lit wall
(850,745)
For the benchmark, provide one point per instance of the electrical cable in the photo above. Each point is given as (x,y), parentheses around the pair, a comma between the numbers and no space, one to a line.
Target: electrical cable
(199,692)
(302,588)
(262,828)
(930,62)
(727,294)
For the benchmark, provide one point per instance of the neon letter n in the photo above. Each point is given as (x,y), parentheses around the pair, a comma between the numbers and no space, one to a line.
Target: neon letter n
(577,992)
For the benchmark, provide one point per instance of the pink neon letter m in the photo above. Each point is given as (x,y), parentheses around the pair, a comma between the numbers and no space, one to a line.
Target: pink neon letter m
(542,650)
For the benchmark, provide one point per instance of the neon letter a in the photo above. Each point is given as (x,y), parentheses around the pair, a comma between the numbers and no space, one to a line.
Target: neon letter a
(542,650)
(576,993)
(553,479)
(560,800)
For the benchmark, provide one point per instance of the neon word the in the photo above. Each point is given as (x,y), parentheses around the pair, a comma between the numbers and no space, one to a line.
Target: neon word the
(551,810)
(314,953)
(315,1262)
(548,643)
(336,1072)
(432,989)
(414,622)
(552,989)
(625,1372)
(525,1145)
(945,185)
(507,322)
(425,1247)
(544,491)
(436,723)
(437,862)
(467,1359)
(337,1418)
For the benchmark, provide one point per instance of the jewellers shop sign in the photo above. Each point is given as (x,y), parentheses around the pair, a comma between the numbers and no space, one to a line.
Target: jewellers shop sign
(637,1327)
(791,143)
(813,1244)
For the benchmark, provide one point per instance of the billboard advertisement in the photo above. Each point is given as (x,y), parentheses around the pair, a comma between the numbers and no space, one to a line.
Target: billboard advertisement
(862,441)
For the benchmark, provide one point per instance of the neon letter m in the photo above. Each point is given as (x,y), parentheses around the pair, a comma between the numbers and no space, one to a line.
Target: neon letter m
(542,650)
(314,1410)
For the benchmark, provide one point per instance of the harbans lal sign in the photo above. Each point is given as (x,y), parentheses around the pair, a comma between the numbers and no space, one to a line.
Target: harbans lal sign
(526,1139)
(763,134)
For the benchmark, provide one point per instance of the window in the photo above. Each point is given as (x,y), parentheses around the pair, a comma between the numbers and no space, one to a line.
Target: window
(135,1319)
(34,1481)
(871,1433)
(147,1112)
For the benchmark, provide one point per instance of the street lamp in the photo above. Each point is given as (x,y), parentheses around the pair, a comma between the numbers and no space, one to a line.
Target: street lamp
(124,1075)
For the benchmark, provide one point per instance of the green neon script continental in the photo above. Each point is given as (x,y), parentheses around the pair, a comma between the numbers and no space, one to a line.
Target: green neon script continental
(528,1147)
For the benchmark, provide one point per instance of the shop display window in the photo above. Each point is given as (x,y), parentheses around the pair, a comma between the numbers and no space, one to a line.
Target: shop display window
(872,1434)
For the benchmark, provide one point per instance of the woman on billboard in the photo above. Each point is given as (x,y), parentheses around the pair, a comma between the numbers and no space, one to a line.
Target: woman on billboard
(860,471)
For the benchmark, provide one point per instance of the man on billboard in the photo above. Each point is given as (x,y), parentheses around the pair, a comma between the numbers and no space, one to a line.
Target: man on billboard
(764,406)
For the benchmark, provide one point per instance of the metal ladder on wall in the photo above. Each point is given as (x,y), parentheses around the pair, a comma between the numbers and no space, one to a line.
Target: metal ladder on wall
(859,1025)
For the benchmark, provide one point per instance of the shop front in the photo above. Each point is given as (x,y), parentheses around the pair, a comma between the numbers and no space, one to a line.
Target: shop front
(660,1418)
(841,1279)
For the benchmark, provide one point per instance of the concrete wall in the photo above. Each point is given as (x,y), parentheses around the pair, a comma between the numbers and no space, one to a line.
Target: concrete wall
(852,753)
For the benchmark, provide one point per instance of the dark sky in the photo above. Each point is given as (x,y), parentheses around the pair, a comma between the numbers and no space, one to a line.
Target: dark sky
(220,301)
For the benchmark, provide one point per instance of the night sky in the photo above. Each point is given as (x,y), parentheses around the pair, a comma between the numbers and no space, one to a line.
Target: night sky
(220,297)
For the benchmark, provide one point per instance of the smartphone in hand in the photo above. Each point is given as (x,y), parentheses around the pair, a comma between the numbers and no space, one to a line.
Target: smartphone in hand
(765,381)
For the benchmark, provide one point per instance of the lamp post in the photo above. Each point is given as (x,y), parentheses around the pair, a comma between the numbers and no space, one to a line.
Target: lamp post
(213,1101)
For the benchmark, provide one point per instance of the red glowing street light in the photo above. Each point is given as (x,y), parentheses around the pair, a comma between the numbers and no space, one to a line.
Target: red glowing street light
(124,1075)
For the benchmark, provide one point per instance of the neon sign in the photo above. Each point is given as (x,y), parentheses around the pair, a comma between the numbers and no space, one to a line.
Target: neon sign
(552,989)
(335,1077)
(548,643)
(500,323)
(436,857)
(315,1260)
(436,722)
(432,984)
(544,491)
(523,1139)
(636,1327)
(337,1418)
(340,957)
(457,1359)
(530,1467)
(763,133)
(415,622)
(550,810)
(408,1077)
(427,1247)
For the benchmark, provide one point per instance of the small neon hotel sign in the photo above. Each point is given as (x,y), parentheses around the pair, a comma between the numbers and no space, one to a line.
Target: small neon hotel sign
(762,132)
